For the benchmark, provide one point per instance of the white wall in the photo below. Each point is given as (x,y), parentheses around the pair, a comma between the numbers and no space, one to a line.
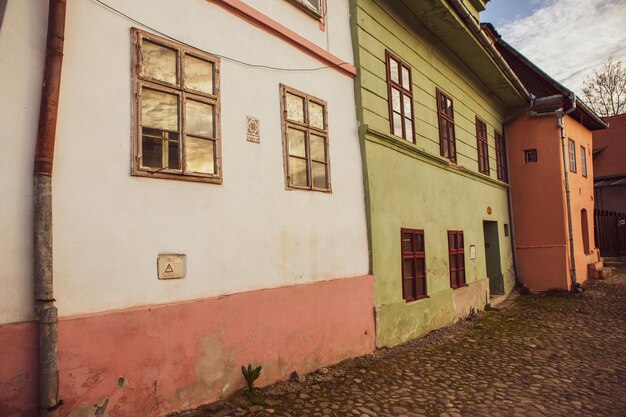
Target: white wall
(22,47)
(248,233)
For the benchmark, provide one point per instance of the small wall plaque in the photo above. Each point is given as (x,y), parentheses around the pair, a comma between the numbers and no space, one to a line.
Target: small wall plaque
(472,251)
(171,265)
(254,129)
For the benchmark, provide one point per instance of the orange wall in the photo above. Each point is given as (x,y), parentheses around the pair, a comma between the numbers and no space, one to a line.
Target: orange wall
(538,202)
(581,195)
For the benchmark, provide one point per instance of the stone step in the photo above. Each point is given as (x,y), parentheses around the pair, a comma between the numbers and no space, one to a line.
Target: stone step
(615,264)
(602,273)
(596,266)
(614,258)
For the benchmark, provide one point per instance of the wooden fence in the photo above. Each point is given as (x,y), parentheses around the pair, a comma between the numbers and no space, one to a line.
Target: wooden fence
(610,232)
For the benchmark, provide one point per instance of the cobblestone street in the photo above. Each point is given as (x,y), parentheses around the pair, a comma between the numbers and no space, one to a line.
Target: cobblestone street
(538,355)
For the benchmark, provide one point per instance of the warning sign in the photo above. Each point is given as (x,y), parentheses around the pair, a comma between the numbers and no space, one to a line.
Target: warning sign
(171,266)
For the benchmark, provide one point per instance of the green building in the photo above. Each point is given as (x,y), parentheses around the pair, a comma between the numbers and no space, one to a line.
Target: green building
(432,100)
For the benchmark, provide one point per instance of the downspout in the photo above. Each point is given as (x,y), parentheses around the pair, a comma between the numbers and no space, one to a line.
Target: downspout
(559,113)
(489,44)
(42,213)
(509,200)
(473,24)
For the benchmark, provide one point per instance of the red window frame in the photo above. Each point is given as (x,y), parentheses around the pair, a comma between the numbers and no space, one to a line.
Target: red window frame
(500,160)
(456,252)
(482,146)
(447,137)
(571,150)
(413,249)
(403,79)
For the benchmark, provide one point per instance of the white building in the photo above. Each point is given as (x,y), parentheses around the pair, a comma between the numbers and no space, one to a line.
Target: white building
(224,130)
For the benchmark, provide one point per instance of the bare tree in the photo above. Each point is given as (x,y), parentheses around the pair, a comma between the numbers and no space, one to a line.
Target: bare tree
(605,89)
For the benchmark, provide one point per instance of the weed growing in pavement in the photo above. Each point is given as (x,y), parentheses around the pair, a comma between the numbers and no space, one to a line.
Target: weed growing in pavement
(251,375)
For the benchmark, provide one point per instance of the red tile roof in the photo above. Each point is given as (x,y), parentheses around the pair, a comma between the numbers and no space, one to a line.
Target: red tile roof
(609,147)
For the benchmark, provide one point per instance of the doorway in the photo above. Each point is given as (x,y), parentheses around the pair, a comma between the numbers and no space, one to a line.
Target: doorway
(492,257)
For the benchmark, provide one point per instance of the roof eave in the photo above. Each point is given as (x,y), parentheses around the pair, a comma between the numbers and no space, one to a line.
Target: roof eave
(595,119)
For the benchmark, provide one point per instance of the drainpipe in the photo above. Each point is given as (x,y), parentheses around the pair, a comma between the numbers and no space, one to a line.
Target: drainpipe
(474,26)
(42,213)
(559,113)
(509,199)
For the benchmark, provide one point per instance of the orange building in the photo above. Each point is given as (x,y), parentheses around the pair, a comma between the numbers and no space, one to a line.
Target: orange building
(549,151)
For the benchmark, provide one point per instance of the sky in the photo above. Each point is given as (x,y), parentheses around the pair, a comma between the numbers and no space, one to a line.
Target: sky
(565,38)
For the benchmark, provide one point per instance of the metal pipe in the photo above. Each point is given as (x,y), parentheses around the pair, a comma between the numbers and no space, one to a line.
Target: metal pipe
(42,213)
(489,45)
(509,198)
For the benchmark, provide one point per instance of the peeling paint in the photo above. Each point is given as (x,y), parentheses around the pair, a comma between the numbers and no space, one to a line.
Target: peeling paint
(91,410)
(134,362)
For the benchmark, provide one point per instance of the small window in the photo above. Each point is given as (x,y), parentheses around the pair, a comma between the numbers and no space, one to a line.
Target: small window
(500,159)
(447,138)
(413,264)
(400,97)
(530,156)
(506,230)
(311,6)
(583,161)
(305,141)
(176,111)
(456,251)
(572,155)
(483,148)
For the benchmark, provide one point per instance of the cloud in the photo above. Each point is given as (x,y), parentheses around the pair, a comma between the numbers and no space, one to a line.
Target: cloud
(569,38)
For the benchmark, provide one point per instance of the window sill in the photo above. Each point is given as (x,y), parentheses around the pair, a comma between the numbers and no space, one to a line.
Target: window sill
(412,300)
(315,190)
(453,164)
(178,177)
(457,287)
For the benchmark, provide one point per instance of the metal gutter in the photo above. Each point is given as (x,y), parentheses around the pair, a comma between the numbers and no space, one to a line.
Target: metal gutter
(509,200)
(473,24)
(45,309)
(565,92)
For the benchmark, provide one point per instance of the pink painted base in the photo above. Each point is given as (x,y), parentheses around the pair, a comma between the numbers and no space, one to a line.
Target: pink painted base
(153,360)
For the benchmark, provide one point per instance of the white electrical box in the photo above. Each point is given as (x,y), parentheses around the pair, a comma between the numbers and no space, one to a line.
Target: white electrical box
(171,265)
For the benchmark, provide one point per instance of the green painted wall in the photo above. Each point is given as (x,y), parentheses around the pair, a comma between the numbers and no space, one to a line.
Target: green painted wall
(410,185)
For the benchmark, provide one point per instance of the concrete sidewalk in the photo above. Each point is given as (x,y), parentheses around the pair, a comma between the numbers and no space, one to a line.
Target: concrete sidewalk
(539,355)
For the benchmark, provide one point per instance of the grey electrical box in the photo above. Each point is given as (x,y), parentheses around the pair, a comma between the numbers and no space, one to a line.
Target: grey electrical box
(171,265)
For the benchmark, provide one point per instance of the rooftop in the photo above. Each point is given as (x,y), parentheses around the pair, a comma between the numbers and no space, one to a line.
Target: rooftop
(609,148)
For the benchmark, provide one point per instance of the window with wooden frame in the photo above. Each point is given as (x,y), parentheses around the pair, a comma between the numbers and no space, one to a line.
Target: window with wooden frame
(176,111)
(530,156)
(500,159)
(572,155)
(314,7)
(457,258)
(400,94)
(583,161)
(445,114)
(413,264)
(482,146)
(305,141)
